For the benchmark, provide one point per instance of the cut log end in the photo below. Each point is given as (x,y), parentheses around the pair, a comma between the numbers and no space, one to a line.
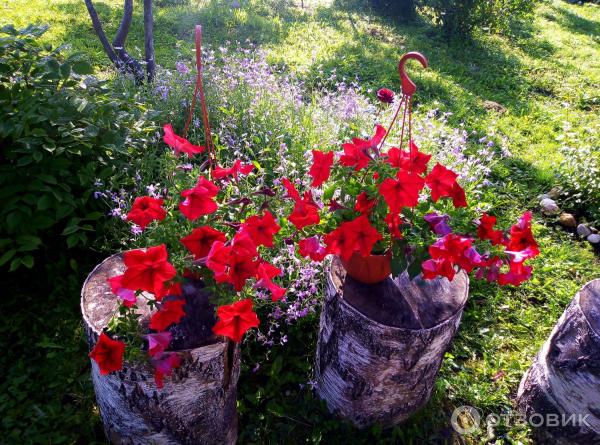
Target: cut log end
(381,346)
(559,394)
(197,403)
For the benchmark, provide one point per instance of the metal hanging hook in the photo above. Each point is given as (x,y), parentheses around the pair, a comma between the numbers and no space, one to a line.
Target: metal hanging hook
(408,86)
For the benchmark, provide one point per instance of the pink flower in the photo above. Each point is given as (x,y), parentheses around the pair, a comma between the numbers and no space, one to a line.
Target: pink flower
(158,342)
(127,295)
(164,365)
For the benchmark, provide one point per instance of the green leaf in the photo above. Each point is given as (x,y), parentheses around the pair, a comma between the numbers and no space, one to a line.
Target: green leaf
(7,256)
(14,264)
(27,261)
(65,70)
(82,67)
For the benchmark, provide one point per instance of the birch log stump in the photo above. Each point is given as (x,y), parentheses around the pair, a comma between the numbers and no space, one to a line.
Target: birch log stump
(560,393)
(197,404)
(381,345)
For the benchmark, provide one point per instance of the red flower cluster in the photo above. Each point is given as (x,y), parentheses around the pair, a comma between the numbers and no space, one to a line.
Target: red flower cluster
(447,252)
(454,250)
(349,237)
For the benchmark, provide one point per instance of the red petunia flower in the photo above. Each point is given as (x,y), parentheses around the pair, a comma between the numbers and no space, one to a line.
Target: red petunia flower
(364,205)
(180,144)
(108,354)
(354,157)
(371,144)
(459,198)
(402,192)
(238,168)
(218,257)
(240,269)
(356,235)
(412,161)
(158,342)
(340,242)
(385,95)
(447,252)
(235,319)
(441,182)
(126,295)
(312,248)
(517,274)
(356,154)
(146,209)
(170,312)
(485,230)
(201,240)
(438,268)
(321,167)
(265,273)
(305,213)
(364,234)
(393,221)
(262,229)
(292,192)
(164,365)
(521,238)
(148,270)
(199,200)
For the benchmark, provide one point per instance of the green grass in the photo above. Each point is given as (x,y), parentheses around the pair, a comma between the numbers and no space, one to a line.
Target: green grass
(546,74)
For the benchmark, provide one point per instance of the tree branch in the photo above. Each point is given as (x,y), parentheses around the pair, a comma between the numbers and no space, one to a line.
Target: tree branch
(110,52)
(149,40)
(133,65)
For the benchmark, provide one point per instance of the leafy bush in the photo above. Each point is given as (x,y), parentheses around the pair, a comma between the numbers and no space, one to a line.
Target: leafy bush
(60,132)
(461,17)
(579,172)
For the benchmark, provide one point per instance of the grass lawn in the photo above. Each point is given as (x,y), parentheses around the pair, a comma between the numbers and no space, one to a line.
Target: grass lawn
(546,76)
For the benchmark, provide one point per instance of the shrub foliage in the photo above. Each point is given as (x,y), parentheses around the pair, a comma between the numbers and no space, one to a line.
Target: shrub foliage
(61,131)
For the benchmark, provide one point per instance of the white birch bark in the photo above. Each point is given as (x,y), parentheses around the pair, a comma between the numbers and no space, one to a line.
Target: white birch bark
(564,380)
(198,402)
(381,346)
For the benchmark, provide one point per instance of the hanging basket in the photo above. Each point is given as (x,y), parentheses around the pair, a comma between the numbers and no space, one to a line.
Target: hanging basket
(197,404)
(371,269)
(381,345)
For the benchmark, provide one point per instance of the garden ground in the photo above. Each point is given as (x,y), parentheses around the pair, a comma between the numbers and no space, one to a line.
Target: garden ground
(547,75)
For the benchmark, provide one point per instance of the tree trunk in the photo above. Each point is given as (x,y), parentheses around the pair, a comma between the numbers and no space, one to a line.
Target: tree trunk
(149,40)
(560,393)
(381,346)
(197,404)
(116,52)
(131,64)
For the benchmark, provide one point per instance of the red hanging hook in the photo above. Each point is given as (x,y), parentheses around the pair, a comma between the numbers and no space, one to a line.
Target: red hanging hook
(199,90)
(408,86)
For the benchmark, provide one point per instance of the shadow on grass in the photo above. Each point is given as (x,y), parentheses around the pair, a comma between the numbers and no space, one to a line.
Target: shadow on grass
(574,23)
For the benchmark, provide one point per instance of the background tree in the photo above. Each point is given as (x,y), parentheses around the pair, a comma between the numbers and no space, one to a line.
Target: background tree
(116,52)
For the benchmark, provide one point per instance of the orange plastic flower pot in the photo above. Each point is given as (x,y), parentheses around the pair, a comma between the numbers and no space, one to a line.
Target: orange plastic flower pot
(370,269)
